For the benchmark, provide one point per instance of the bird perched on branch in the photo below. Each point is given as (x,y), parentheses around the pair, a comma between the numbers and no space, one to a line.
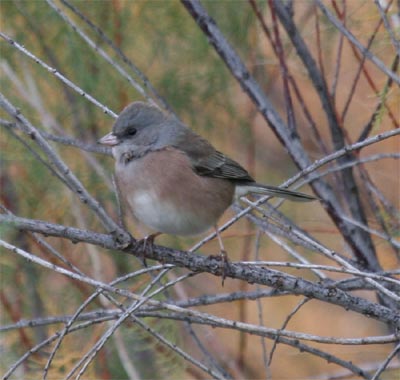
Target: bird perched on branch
(173,180)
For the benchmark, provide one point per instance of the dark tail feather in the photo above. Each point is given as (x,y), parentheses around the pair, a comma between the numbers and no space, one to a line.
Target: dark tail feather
(273,191)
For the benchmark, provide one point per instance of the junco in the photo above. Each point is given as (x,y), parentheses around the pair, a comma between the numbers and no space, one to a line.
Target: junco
(173,180)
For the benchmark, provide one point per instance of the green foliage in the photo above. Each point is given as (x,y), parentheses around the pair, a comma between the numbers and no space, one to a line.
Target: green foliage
(161,40)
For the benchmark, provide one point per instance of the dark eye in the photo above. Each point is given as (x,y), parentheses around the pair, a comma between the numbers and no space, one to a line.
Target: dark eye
(131,132)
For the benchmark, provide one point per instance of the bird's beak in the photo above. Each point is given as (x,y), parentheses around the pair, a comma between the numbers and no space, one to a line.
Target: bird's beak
(109,139)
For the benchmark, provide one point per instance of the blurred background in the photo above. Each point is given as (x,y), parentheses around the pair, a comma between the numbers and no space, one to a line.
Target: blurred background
(167,46)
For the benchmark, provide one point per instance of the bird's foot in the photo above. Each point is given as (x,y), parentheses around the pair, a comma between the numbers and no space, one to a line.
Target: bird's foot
(147,243)
(222,254)
(224,263)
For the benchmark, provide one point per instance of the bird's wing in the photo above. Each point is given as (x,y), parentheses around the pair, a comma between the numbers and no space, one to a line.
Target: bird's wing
(206,161)
(220,166)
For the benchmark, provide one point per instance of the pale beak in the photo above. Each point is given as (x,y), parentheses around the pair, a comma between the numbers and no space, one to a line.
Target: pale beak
(109,139)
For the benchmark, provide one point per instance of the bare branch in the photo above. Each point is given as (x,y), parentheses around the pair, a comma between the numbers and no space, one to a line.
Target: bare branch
(63,170)
(356,43)
(198,263)
(58,75)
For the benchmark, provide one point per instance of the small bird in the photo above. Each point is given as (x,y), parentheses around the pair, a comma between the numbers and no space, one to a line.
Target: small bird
(173,180)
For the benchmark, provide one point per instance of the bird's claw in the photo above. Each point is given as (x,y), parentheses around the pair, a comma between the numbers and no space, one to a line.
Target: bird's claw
(224,263)
(147,243)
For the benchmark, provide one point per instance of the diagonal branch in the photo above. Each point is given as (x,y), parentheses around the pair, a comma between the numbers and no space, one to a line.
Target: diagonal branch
(378,63)
(63,170)
(361,245)
(360,241)
(199,263)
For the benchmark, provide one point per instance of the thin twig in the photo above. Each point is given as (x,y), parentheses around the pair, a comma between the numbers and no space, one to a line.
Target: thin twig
(101,53)
(63,170)
(58,75)
(386,362)
(120,53)
(378,63)
(252,274)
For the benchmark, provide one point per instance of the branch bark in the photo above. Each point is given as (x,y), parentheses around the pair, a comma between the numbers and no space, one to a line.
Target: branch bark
(198,263)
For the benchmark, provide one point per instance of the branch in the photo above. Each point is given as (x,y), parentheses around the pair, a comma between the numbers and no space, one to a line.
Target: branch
(198,263)
(120,53)
(57,74)
(359,240)
(360,244)
(63,170)
(65,140)
(101,53)
(357,43)
(103,317)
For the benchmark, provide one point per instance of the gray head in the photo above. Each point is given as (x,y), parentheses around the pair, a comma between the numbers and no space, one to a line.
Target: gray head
(140,128)
(136,117)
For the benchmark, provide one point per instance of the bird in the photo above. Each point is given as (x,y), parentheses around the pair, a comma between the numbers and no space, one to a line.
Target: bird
(173,180)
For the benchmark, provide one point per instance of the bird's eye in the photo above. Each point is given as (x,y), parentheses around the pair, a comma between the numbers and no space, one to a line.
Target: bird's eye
(132,132)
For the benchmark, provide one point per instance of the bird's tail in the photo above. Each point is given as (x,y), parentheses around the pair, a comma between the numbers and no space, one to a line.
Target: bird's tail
(273,191)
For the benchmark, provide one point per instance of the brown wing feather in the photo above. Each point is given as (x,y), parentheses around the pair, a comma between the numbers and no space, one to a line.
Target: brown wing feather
(206,161)
(220,166)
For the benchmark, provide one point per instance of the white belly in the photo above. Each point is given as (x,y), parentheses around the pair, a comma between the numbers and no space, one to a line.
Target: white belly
(164,217)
